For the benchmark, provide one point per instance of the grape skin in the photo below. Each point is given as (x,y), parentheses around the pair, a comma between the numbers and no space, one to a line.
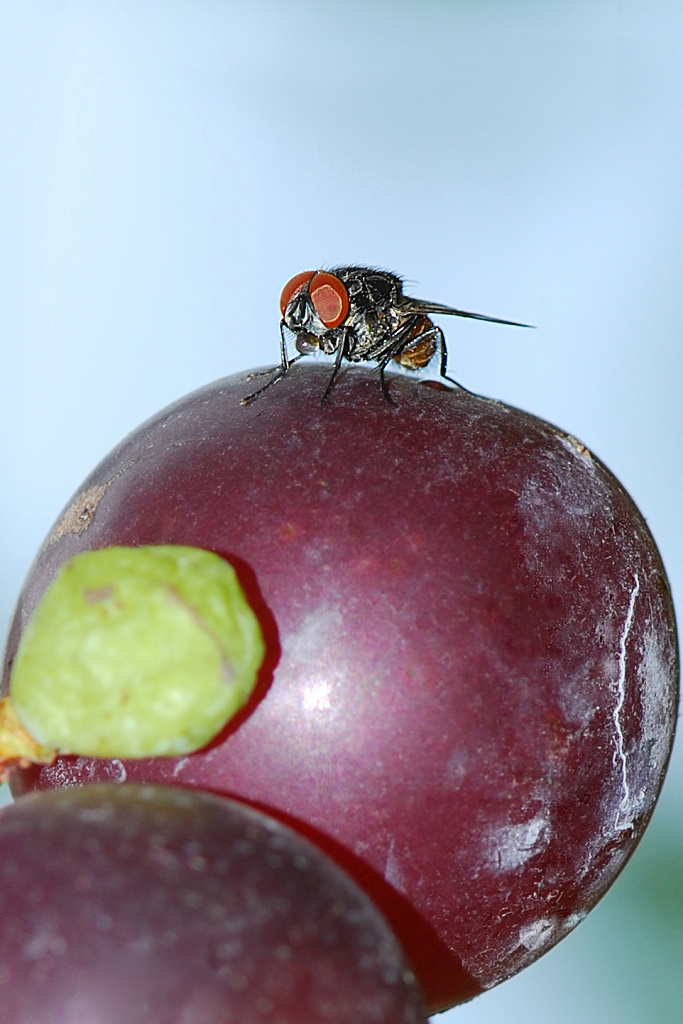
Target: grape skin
(470,690)
(154,905)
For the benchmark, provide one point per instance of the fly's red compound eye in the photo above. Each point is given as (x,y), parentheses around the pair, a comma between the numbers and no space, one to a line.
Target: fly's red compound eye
(330,298)
(292,287)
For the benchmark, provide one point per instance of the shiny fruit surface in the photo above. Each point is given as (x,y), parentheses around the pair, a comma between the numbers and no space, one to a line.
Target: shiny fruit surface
(155,905)
(470,689)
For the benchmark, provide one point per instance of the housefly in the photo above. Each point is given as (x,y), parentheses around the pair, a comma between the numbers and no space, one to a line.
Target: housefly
(359,314)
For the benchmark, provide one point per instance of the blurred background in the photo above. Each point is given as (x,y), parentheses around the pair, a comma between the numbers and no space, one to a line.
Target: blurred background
(166,167)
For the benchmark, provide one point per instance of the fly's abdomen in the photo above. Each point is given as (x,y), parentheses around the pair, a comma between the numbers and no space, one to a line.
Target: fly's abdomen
(421,347)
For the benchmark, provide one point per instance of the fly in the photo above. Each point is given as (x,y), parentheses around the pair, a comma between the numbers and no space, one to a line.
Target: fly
(359,314)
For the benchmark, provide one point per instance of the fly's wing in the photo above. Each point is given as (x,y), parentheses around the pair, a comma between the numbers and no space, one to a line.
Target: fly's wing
(421,306)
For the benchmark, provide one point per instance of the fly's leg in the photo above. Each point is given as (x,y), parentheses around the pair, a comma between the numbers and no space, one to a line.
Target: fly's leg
(275,369)
(397,343)
(443,359)
(341,353)
(383,385)
(278,371)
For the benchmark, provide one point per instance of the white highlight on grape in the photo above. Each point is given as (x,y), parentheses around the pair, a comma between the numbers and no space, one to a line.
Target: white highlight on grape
(510,846)
(316,697)
(313,654)
(623,819)
(392,869)
(119,773)
(541,933)
(178,767)
(535,935)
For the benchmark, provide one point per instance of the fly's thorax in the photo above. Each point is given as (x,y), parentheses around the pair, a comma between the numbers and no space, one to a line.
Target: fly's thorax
(365,336)
(369,288)
(373,330)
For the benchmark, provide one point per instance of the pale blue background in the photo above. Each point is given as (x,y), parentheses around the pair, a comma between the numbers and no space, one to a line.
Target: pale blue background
(166,167)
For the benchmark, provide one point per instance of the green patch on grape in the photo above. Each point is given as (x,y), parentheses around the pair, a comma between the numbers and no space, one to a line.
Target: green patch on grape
(137,652)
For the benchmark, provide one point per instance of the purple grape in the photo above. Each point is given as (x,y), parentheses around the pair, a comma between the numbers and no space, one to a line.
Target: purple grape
(153,905)
(470,687)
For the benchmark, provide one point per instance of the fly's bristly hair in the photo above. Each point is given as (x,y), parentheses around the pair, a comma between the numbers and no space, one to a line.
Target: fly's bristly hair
(360,314)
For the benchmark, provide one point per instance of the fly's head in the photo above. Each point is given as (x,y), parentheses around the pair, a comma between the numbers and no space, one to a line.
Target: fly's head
(314,305)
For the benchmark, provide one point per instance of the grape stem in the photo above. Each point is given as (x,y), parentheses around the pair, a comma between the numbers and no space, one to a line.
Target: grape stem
(17,746)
